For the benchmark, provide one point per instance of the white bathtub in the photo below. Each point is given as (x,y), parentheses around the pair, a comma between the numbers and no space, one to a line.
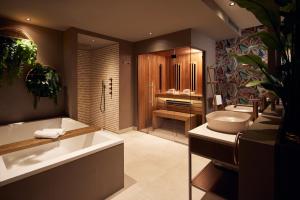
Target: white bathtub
(24,130)
(24,163)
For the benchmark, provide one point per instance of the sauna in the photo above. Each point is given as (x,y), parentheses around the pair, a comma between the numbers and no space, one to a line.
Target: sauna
(170,89)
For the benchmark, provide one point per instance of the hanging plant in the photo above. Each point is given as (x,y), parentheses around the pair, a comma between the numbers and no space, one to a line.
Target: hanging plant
(15,54)
(43,81)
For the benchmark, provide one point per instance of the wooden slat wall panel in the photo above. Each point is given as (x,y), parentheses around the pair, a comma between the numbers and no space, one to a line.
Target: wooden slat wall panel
(103,64)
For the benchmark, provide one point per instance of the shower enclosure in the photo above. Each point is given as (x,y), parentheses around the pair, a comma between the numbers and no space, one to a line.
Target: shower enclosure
(170,92)
(98,82)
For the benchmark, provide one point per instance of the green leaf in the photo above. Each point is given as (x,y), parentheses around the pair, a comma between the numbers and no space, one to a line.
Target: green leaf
(269,39)
(252,60)
(266,11)
(256,61)
(254,83)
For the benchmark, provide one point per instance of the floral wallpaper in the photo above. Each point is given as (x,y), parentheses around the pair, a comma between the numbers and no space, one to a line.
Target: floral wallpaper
(232,76)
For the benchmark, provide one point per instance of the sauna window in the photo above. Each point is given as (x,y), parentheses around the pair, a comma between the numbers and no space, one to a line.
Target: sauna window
(193,76)
(160,77)
(177,76)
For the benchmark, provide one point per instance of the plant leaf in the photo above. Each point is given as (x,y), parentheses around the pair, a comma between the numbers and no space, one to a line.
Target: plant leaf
(254,83)
(269,39)
(256,61)
(266,11)
(253,60)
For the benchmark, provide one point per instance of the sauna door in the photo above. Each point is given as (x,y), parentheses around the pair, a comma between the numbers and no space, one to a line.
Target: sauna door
(151,80)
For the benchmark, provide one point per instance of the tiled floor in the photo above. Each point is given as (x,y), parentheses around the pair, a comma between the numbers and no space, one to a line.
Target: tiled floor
(170,130)
(156,169)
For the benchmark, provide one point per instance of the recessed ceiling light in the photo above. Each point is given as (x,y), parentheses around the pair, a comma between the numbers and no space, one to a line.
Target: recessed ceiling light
(231,3)
(28,19)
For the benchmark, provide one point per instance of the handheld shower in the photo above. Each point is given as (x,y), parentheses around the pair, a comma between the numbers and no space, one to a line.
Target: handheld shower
(102,98)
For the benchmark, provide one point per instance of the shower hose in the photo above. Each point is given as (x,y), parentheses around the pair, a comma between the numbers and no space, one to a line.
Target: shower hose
(102,98)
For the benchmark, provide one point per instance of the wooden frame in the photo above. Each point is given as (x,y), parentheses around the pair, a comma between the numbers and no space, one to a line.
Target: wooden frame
(144,122)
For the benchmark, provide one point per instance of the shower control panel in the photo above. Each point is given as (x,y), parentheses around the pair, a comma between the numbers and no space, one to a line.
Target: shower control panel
(110,87)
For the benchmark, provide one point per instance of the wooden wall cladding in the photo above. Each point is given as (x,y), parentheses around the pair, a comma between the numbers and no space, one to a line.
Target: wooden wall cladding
(149,66)
(195,107)
(185,62)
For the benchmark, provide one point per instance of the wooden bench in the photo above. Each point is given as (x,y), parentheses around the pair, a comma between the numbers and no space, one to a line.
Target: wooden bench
(189,119)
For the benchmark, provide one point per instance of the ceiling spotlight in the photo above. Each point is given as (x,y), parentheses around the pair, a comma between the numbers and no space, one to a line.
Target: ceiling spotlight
(28,19)
(231,3)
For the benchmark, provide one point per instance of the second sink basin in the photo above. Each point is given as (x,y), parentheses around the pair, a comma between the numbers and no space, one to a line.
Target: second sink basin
(228,121)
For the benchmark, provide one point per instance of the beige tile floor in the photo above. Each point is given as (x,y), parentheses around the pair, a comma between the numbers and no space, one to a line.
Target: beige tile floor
(156,169)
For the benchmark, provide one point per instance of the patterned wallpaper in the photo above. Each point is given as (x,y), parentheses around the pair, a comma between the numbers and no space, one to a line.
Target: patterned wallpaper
(233,76)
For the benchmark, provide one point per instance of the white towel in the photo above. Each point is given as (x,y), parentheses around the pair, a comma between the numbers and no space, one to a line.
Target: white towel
(218,100)
(50,130)
(42,134)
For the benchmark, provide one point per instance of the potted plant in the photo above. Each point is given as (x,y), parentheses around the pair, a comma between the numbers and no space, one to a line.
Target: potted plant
(15,54)
(281,18)
(43,81)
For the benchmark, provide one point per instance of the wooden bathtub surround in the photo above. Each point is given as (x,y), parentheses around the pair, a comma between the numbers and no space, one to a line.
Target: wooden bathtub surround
(189,119)
(25,144)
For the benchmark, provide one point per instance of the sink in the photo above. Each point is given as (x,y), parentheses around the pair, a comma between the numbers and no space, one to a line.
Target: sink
(228,121)
(239,108)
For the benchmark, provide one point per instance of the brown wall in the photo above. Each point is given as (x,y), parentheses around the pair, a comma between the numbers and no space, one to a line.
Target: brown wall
(70,71)
(16,104)
(164,42)
(127,89)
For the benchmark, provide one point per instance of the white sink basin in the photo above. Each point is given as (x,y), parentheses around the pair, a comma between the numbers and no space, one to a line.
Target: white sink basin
(239,108)
(228,121)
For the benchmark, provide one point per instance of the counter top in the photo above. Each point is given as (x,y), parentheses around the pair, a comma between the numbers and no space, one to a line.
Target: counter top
(204,131)
(265,128)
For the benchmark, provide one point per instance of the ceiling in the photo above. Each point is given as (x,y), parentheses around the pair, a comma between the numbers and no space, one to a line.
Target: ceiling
(178,51)
(130,20)
(88,42)
(240,16)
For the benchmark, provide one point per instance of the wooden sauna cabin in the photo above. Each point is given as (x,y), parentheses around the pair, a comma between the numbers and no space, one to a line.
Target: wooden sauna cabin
(170,86)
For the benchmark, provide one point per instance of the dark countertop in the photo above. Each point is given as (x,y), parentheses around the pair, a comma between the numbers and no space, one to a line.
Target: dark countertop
(265,127)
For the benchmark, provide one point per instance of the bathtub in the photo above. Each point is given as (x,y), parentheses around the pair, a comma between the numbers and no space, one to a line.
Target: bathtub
(65,165)
(24,130)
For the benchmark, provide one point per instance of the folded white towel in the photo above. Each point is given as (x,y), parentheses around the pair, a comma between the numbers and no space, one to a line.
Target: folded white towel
(60,131)
(42,134)
(218,100)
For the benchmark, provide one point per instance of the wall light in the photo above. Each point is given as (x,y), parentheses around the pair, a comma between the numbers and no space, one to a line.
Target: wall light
(28,19)
(231,3)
